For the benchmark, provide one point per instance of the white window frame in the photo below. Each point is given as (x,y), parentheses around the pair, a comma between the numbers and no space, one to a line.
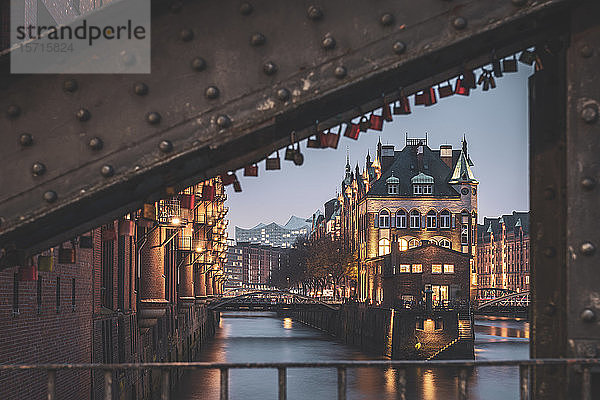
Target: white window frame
(448,268)
(435,269)
(431,220)
(417,268)
(413,240)
(422,188)
(445,219)
(402,244)
(401,219)
(404,268)
(464,235)
(443,243)
(393,188)
(384,219)
(415,218)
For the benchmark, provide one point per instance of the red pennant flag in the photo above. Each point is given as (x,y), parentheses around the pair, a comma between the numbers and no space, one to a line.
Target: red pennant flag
(352,131)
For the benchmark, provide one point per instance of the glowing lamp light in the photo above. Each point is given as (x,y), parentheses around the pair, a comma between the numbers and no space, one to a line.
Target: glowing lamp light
(175,221)
(198,250)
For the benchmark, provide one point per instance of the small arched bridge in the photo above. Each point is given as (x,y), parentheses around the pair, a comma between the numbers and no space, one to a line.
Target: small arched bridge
(511,303)
(269,299)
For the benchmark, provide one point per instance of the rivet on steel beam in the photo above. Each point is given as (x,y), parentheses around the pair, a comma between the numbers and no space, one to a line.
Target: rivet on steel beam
(340,72)
(198,64)
(519,3)
(258,39)
(70,85)
(13,111)
(211,92)
(269,68)
(25,139)
(50,196)
(153,117)
(186,34)
(107,171)
(399,47)
(83,114)
(586,51)
(387,19)
(246,8)
(328,42)
(140,88)
(223,121)
(459,23)
(588,183)
(95,143)
(587,248)
(549,252)
(38,169)
(587,315)
(549,193)
(165,146)
(589,114)
(314,13)
(283,94)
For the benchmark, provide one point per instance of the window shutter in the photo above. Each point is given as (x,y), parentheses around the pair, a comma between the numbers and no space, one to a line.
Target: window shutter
(392,221)
(376,224)
(453,221)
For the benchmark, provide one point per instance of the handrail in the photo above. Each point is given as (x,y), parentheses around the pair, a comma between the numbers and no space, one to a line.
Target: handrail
(341,366)
(271,291)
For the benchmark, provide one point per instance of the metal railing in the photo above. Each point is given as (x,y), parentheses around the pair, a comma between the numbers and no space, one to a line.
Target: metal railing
(525,367)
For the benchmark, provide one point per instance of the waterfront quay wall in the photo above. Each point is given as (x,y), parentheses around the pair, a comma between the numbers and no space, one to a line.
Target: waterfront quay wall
(397,334)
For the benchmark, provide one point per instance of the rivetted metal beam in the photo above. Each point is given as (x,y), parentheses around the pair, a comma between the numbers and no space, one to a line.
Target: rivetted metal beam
(228,85)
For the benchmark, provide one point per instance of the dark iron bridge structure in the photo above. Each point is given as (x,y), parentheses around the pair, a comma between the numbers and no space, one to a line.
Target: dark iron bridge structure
(512,303)
(230,81)
(267,300)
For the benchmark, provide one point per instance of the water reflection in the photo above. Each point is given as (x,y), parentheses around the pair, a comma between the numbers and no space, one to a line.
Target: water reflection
(255,337)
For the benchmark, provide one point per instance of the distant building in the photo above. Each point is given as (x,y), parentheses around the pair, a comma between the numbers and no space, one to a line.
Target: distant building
(503,252)
(233,266)
(405,199)
(258,262)
(273,234)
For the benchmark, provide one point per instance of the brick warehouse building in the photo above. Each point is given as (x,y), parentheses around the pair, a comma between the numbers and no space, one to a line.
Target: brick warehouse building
(130,291)
(407,198)
(258,262)
(503,252)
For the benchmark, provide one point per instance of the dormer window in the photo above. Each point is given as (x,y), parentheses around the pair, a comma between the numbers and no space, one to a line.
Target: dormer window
(393,184)
(422,184)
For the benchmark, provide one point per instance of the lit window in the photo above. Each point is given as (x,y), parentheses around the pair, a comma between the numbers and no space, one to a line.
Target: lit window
(448,268)
(417,268)
(402,245)
(431,219)
(414,243)
(401,219)
(415,219)
(445,219)
(404,268)
(446,243)
(384,247)
(436,269)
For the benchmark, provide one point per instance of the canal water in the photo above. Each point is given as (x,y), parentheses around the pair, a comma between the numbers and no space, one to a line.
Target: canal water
(264,337)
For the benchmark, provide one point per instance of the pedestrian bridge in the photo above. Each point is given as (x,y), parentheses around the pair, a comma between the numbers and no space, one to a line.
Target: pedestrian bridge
(269,299)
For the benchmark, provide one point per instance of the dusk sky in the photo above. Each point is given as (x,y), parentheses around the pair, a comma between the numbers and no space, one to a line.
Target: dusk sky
(495,124)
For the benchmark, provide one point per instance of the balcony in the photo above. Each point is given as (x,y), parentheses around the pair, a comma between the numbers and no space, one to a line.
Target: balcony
(169,212)
(185,243)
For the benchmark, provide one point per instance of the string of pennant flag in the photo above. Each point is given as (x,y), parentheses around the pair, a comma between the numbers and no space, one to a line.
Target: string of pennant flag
(329,138)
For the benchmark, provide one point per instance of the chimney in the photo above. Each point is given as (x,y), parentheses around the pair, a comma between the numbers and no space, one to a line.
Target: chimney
(446,154)
(387,156)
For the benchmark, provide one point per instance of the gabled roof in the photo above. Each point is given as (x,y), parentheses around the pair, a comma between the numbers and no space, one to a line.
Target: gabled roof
(516,221)
(462,170)
(405,167)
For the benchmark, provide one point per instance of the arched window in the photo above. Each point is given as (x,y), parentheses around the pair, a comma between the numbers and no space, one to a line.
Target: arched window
(384,247)
(415,219)
(414,243)
(431,220)
(445,219)
(433,241)
(401,219)
(446,243)
(402,244)
(384,219)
